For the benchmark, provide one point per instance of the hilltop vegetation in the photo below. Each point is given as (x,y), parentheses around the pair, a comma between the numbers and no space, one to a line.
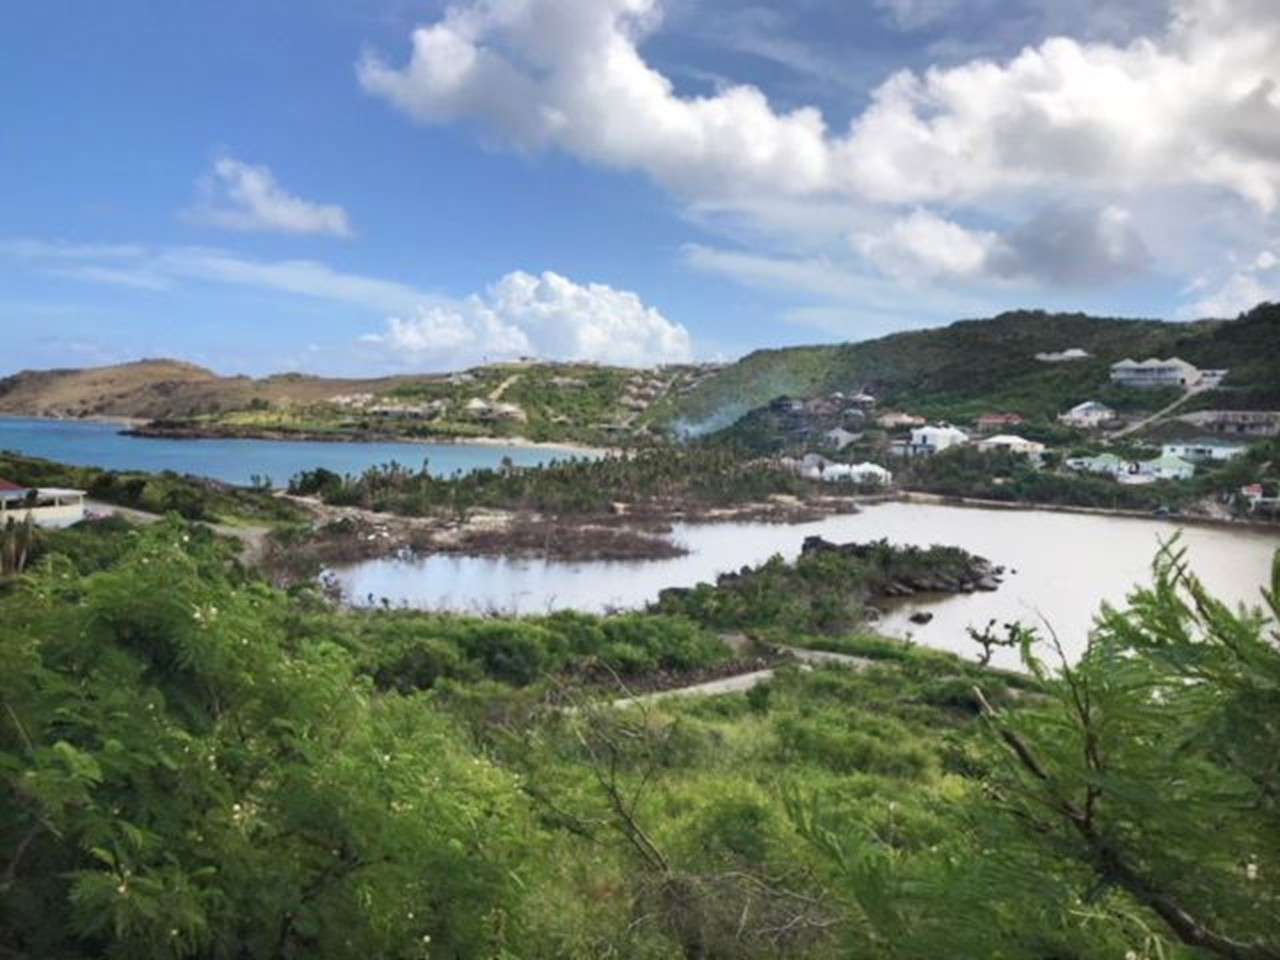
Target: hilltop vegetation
(978,366)
(195,765)
(583,403)
(956,372)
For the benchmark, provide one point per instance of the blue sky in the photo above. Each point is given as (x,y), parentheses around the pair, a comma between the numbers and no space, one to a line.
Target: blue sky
(360,187)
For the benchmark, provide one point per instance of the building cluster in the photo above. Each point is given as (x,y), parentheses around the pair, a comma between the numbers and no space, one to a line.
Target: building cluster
(1177,461)
(52,507)
(814,466)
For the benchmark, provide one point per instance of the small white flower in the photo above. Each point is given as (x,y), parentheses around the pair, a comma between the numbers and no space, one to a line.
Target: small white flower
(1251,871)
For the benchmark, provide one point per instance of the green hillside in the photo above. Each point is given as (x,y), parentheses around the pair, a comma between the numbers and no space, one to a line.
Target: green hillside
(976,366)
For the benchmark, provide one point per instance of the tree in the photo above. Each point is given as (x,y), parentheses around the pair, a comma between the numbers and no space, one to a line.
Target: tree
(178,779)
(1152,773)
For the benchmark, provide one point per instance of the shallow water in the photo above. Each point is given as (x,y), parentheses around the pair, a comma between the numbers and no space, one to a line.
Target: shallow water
(1066,566)
(95,444)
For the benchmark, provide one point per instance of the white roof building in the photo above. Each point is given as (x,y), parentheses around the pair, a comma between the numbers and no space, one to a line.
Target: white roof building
(1089,414)
(1167,468)
(1013,444)
(935,439)
(1174,372)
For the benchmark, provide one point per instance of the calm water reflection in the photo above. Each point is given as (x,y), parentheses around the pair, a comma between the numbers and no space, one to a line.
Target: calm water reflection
(1065,564)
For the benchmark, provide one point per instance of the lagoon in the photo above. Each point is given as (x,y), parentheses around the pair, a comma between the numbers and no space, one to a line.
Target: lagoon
(95,444)
(1061,567)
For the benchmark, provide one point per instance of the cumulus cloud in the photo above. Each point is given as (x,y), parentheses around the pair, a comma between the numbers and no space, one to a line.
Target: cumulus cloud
(244,197)
(1197,106)
(925,246)
(547,316)
(1038,169)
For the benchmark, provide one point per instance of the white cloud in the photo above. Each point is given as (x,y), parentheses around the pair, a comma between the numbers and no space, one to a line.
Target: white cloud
(244,197)
(1196,106)
(1067,154)
(923,245)
(547,316)
(1242,289)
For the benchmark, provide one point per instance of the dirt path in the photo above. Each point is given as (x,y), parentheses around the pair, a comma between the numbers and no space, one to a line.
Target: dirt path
(503,387)
(807,659)
(252,539)
(1160,414)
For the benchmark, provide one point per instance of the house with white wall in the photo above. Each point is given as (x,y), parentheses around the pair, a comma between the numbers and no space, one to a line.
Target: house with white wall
(1152,373)
(1204,451)
(926,441)
(1167,468)
(1011,443)
(52,507)
(1105,464)
(1088,415)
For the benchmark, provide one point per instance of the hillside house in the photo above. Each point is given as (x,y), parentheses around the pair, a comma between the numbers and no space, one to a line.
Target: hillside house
(1011,443)
(926,441)
(1088,415)
(1167,468)
(52,507)
(1153,373)
(1204,451)
(999,421)
(1064,356)
(1106,464)
(1244,423)
(1256,499)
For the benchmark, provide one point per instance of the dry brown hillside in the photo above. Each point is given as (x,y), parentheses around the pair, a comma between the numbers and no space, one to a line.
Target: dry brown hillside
(161,388)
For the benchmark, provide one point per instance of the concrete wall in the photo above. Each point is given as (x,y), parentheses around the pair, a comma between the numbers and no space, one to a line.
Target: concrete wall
(52,518)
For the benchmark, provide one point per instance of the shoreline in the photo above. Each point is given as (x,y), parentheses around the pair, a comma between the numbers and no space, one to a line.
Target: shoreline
(118,421)
(144,431)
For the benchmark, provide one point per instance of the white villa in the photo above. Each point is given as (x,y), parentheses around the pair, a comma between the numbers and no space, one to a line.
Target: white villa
(1204,451)
(51,507)
(1173,372)
(926,441)
(1088,415)
(1013,444)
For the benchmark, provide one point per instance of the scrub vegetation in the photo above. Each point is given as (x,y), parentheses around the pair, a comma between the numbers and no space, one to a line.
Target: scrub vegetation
(197,765)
